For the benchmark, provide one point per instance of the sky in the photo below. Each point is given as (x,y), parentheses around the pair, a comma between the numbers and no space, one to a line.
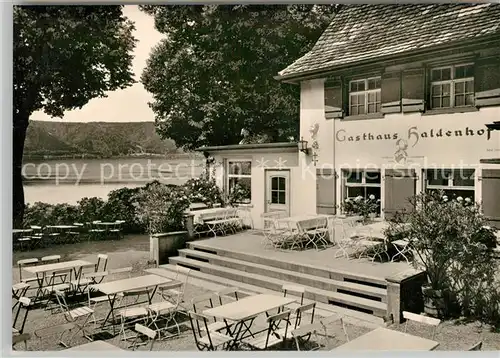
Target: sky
(130,104)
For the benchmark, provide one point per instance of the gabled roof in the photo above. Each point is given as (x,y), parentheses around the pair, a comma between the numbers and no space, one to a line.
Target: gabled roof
(364,32)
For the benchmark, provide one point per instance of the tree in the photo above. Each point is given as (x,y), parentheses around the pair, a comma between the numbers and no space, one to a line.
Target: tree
(212,75)
(63,57)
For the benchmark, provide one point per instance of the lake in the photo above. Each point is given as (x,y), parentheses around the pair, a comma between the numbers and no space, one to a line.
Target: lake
(69,180)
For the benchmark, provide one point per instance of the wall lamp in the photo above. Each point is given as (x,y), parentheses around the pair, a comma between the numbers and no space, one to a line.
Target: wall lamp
(303,146)
(495,126)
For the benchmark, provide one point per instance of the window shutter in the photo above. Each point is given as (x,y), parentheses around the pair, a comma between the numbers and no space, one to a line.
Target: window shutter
(490,196)
(333,98)
(413,84)
(400,185)
(325,191)
(487,82)
(391,92)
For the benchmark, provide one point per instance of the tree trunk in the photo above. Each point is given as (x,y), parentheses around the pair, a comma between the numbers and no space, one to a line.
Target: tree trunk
(21,122)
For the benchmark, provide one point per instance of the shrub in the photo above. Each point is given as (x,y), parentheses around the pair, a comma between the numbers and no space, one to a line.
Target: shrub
(90,209)
(204,190)
(361,206)
(160,208)
(120,206)
(452,242)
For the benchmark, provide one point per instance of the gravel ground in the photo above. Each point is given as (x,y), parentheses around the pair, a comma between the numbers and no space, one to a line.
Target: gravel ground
(134,251)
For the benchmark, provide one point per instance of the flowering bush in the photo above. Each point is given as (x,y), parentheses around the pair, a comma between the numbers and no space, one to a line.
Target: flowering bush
(361,206)
(238,194)
(203,190)
(452,242)
(161,208)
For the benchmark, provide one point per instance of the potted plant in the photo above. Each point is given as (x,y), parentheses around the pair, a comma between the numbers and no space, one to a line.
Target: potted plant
(444,236)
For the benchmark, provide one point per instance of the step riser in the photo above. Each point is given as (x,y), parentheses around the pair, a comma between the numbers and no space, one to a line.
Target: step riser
(269,272)
(309,270)
(262,282)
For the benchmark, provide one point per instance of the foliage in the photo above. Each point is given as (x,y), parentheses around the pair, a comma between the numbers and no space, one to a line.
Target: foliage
(238,194)
(161,208)
(103,139)
(361,206)
(213,73)
(45,214)
(121,206)
(63,57)
(204,190)
(90,209)
(452,242)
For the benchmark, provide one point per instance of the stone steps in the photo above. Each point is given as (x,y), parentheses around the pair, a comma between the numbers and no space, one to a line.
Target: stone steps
(350,301)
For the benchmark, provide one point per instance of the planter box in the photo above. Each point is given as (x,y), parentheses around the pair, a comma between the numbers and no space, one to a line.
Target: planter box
(164,245)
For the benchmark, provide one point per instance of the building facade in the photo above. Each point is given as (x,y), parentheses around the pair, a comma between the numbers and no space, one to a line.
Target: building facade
(394,101)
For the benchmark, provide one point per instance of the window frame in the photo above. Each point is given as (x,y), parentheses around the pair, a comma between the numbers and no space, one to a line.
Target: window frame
(229,176)
(450,185)
(363,185)
(366,92)
(452,81)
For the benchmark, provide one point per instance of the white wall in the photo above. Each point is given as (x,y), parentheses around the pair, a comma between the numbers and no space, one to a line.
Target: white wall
(427,140)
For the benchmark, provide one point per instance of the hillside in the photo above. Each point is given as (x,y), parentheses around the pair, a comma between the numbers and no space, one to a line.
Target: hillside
(94,139)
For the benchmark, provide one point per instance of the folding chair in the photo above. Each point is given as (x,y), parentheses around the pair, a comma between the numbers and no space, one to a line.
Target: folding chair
(51,259)
(19,322)
(92,278)
(131,315)
(18,338)
(96,232)
(18,290)
(300,311)
(206,339)
(21,264)
(476,347)
(325,321)
(53,287)
(274,334)
(215,325)
(74,315)
(409,316)
(402,248)
(94,301)
(140,329)
(307,331)
(117,229)
(345,243)
(165,311)
(273,235)
(228,292)
(170,294)
(37,236)
(294,290)
(318,232)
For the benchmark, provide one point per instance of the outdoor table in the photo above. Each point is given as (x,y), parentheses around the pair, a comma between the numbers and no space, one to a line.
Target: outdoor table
(63,227)
(383,339)
(113,288)
(74,267)
(96,346)
(244,311)
(198,214)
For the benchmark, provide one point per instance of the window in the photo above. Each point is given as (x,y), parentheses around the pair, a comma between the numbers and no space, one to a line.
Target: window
(452,86)
(240,178)
(364,96)
(278,190)
(454,182)
(362,183)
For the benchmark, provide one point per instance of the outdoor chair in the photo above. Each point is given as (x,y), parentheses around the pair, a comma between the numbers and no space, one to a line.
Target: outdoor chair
(51,259)
(96,232)
(94,301)
(131,314)
(21,264)
(144,331)
(21,315)
(273,235)
(117,229)
(52,234)
(325,321)
(402,247)
(314,232)
(229,293)
(294,290)
(171,294)
(22,241)
(207,298)
(52,287)
(166,312)
(274,335)
(298,314)
(409,316)
(37,236)
(97,276)
(18,290)
(476,347)
(78,316)
(206,339)
(245,214)
(18,338)
(309,330)
(344,241)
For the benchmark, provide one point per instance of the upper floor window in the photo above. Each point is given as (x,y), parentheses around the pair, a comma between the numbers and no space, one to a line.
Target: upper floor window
(364,96)
(452,86)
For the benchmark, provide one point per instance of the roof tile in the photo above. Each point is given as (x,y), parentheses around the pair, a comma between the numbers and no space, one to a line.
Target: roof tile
(361,32)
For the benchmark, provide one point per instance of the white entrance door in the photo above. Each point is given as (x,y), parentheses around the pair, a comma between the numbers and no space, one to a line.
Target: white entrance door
(278,191)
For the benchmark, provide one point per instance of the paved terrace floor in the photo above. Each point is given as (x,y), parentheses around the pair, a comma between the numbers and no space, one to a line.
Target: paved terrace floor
(250,242)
